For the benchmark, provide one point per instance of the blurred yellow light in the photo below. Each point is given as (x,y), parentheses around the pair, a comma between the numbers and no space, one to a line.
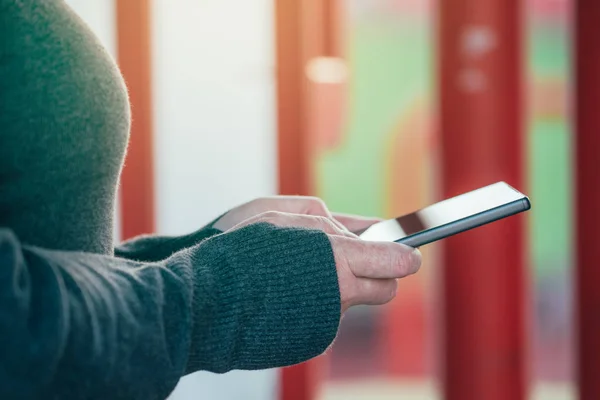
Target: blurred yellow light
(331,70)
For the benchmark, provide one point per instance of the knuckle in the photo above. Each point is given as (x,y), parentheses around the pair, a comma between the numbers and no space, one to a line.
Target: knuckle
(324,221)
(318,204)
(315,199)
(270,216)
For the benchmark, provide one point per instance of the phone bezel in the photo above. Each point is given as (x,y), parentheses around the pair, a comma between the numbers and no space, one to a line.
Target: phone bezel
(473,221)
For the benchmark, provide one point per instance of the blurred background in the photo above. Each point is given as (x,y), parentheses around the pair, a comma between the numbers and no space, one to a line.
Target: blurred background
(255,97)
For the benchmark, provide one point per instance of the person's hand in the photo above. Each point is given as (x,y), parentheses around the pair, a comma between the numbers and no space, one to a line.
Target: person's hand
(367,271)
(292,205)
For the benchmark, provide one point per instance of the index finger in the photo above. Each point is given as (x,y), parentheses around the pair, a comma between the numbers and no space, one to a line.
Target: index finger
(354,223)
(378,260)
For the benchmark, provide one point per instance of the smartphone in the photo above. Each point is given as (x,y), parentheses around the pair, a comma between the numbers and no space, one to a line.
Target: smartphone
(451,216)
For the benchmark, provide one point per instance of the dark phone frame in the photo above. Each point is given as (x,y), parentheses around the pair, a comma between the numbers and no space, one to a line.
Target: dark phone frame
(473,221)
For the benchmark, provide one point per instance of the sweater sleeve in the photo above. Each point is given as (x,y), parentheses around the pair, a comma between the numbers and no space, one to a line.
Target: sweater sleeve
(150,248)
(77,325)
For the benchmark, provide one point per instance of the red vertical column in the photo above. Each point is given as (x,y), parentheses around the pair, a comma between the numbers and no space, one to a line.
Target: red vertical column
(587,148)
(308,33)
(299,35)
(134,58)
(482,142)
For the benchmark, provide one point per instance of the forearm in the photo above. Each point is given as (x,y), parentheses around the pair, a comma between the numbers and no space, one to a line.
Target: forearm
(151,248)
(276,300)
(77,325)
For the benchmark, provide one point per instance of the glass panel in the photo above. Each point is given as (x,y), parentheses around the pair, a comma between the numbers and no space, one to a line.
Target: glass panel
(384,164)
(550,180)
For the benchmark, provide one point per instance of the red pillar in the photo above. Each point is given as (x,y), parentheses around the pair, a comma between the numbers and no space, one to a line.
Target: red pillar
(587,147)
(481,109)
(300,29)
(134,58)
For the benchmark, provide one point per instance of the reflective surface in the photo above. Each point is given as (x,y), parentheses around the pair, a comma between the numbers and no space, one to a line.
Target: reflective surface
(444,212)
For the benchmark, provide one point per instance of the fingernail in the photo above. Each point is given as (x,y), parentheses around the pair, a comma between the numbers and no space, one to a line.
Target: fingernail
(416,259)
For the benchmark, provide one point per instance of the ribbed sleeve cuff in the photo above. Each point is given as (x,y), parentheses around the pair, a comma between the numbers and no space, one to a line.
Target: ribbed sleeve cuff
(156,248)
(264,297)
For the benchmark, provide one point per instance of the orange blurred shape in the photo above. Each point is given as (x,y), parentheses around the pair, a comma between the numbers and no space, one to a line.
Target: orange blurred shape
(327,82)
(548,98)
(404,328)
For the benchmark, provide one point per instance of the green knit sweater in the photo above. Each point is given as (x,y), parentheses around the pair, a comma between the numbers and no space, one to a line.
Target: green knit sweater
(80,319)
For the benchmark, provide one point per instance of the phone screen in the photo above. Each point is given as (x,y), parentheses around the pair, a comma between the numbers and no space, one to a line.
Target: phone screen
(466,207)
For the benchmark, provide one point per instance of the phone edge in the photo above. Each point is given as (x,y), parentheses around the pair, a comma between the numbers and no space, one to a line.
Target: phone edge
(471,222)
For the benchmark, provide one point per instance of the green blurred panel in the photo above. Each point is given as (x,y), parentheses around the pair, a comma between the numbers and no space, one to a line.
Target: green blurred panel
(550,191)
(548,50)
(390,66)
(550,167)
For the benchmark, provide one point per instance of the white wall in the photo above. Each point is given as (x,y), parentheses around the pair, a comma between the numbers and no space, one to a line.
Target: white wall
(214,125)
(236,385)
(215,111)
(100,16)
(215,133)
